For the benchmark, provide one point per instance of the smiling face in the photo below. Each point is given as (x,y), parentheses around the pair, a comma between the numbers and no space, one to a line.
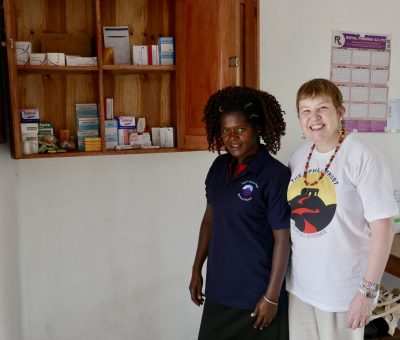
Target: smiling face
(320,121)
(239,136)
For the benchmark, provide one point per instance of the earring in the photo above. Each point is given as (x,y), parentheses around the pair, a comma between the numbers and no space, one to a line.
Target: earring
(341,129)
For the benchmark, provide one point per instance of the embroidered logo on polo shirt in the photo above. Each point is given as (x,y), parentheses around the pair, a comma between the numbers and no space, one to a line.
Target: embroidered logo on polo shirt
(247,191)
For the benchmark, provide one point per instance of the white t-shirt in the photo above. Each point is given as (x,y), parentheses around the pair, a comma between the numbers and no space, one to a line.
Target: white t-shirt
(329,222)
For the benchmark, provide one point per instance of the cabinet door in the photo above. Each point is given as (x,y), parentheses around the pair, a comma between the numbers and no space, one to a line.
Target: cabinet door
(210,37)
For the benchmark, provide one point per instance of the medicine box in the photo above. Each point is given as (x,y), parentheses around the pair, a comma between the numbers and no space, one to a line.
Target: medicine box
(126,122)
(110,123)
(139,55)
(23,50)
(123,136)
(73,60)
(111,145)
(29,116)
(37,59)
(140,139)
(166,50)
(29,128)
(87,109)
(85,134)
(93,144)
(167,137)
(45,129)
(109,108)
(55,59)
(87,123)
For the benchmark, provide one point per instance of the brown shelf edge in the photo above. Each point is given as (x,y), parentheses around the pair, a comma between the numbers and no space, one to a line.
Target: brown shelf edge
(105,153)
(56,69)
(139,68)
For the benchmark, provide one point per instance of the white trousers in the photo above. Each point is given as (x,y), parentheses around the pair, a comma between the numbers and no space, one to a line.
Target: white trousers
(309,323)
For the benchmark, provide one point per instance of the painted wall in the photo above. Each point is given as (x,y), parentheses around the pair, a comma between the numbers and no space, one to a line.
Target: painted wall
(10,302)
(296,45)
(106,243)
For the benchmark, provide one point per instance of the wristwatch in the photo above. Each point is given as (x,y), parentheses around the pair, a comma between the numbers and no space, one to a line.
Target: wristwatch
(369,295)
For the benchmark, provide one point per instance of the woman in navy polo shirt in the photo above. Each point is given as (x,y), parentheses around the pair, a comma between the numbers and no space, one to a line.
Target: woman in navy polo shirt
(244,234)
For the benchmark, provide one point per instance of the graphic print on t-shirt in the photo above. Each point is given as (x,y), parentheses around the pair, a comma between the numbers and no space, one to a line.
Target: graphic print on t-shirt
(313,207)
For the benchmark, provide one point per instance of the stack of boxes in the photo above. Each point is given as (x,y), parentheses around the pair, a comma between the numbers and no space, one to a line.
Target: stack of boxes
(161,54)
(30,130)
(87,124)
(111,130)
(163,136)
(145,55)
(25,56)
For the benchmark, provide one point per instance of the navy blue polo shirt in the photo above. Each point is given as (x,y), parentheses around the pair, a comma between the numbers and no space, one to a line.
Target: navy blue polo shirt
(245,210)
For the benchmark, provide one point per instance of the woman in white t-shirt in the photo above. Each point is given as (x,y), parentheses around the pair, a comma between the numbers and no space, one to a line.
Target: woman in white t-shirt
(342,203)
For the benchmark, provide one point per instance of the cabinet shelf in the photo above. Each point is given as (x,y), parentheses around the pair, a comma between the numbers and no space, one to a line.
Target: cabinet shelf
(99,153)
(56,69)
(169,96)
(138,69)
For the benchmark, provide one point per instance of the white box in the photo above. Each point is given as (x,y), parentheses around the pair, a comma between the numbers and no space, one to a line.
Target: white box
(140,139)
(139,55)
(109,108)
(73,60)
(23,49)
(155,57)
(37,59)
(155,136)
(111,145)
(30,143)
(30,146)
(56,59)
(29,128)
(123,136)
(167,137)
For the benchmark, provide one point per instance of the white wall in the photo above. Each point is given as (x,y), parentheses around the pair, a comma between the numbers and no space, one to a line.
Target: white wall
(106,243)
(295,47)
(10,302)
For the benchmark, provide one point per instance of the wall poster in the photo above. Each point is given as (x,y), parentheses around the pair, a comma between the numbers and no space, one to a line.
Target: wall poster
(360,65)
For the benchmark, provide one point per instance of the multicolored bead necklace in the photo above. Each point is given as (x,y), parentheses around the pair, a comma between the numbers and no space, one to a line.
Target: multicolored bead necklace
(305,173)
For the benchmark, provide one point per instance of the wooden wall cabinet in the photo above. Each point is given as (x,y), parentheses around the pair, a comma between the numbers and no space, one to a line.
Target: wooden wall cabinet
(207,33)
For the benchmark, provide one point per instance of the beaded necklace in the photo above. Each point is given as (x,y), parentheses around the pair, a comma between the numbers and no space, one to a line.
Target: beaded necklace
(305,173)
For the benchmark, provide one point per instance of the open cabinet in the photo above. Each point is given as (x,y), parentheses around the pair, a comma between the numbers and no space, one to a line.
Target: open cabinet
(216,45)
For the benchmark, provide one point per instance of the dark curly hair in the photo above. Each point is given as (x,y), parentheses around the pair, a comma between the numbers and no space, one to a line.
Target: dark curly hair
(260,108)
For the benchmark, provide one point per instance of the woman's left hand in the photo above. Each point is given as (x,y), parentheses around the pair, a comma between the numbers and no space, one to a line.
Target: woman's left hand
(264,313)
(360,310)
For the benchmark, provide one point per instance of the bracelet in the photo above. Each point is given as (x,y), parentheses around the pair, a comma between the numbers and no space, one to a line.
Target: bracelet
(269,301)
(369,286)
(368,294)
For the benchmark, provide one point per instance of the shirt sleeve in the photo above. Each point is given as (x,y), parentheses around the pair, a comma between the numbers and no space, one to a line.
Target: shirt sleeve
(375,187)
(278,208)
(208,180)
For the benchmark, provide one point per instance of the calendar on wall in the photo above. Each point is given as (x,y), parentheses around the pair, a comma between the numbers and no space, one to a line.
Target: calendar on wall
(360,65)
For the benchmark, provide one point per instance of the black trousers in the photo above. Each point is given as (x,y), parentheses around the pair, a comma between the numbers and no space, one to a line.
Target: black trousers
(226,323)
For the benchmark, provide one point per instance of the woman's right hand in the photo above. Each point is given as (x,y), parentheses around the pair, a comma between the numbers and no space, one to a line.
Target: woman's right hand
(195,287)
